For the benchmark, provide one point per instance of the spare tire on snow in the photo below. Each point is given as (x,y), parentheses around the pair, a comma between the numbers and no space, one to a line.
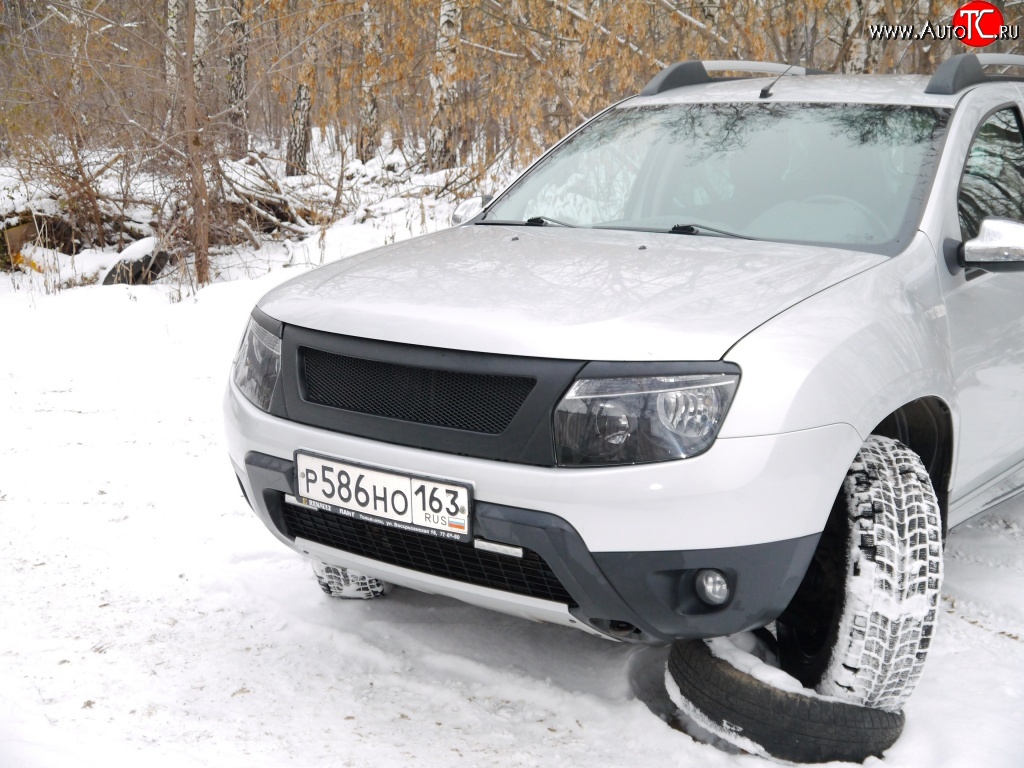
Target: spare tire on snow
(761,718)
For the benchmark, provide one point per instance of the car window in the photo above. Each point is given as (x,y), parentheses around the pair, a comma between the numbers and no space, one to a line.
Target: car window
(992,182)
(852,175)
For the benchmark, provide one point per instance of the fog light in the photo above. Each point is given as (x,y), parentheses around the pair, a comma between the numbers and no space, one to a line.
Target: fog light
(712,586)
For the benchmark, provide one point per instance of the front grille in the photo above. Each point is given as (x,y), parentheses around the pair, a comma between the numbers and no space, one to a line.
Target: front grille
(528,575)
(475,402)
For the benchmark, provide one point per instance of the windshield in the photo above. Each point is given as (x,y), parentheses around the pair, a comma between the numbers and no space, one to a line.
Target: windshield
(851,175)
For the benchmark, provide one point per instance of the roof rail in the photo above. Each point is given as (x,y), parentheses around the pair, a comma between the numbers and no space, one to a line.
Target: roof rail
(696,72)
(964,70)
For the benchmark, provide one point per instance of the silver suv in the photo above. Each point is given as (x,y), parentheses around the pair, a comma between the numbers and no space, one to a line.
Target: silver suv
(739,350)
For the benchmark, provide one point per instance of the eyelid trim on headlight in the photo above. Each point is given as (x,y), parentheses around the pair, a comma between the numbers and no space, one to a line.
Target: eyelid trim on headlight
(276,327)
(678,383)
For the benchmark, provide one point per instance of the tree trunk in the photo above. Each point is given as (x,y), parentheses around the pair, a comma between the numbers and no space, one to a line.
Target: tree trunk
(441,134)
(194,149)
(201,38)
(863,53)
(568,51)
(171,39)
(78,24)
(297,156)
(238,80)
(368,137)
(79,33)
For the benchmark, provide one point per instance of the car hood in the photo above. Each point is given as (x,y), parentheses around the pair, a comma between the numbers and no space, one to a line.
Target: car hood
(563,292)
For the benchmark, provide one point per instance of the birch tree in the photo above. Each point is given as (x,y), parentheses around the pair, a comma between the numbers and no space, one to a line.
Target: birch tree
(863,52)
(238,78)
(200,195)
(444,87)
(200,37)
(368,136)
(172,38)
(299,126)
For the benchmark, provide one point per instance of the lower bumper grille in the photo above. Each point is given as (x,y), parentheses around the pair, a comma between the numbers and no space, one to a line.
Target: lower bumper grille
(528,575)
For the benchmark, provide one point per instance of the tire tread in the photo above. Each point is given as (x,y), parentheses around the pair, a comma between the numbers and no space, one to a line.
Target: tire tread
(896,558)
(348,584)
(789,726)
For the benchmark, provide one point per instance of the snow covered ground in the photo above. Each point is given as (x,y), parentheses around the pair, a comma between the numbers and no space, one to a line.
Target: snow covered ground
(149,618)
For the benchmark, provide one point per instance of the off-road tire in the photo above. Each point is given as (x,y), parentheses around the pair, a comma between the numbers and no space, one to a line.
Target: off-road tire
(759,717)
(860,624)
(345,583)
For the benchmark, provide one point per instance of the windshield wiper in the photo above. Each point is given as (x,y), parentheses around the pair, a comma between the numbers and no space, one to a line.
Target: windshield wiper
(533,221)
(543,221)
(701,229)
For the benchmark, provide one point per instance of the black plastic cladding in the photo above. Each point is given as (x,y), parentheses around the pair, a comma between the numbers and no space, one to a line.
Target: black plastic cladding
(524,437)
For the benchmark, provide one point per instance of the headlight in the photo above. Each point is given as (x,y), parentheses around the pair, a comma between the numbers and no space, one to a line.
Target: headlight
(641,419)
(258,364)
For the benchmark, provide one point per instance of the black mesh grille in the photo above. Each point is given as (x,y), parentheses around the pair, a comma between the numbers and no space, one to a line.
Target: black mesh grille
(528,575)
(475,402)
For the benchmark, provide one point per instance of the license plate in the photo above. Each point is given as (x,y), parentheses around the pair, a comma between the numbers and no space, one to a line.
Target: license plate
(419,504)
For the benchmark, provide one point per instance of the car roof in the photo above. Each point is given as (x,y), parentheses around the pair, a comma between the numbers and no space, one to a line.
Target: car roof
(824,88)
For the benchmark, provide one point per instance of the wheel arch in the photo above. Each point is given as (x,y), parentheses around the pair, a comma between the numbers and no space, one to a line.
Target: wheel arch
(925,425)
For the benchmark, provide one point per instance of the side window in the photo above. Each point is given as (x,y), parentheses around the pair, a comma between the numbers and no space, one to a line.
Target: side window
(993,180)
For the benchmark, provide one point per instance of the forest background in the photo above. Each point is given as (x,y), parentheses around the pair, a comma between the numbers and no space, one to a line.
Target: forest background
(207,124)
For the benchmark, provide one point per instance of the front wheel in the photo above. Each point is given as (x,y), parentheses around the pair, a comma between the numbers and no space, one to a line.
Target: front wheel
(861,622)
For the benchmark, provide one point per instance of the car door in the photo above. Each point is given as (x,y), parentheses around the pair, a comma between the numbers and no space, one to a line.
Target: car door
(986,319)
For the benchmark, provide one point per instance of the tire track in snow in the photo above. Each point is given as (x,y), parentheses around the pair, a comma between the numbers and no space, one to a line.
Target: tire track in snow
(984,550)
(956,608)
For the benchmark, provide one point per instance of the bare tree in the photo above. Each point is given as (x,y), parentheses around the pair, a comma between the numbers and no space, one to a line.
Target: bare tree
(444,86)
(201,37)
(299,127)
(91,90)
(369,114)
(863,53)
(238,78)
(172,37)
(194,150)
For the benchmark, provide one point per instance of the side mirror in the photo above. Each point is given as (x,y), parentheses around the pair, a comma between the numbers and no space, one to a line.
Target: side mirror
(467,209)
(999,247)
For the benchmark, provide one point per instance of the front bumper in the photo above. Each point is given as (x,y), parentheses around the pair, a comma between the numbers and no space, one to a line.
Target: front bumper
(640,596)
(625,543)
